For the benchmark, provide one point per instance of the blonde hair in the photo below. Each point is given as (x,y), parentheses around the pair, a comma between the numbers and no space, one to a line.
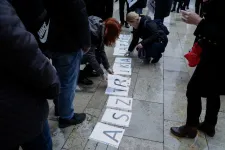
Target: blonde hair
(132,17)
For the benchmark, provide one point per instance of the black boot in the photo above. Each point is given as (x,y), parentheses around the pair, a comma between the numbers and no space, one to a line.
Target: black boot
(207,128)
(155,60)
(85,81)
(76,119)
(184,131)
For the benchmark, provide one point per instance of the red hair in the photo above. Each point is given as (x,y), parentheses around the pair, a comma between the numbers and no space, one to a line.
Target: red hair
(112,31)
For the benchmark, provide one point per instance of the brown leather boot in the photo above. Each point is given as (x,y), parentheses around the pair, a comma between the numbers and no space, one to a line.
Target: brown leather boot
(184,131)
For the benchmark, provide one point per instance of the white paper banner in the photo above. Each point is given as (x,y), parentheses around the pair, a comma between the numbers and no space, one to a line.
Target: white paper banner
(117,117)
(122,71)
(119,65)
(123,60)
(116,92)
(107,134)
(123,103)
(119,82)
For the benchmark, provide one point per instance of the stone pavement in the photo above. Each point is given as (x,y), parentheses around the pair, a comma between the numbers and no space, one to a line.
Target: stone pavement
(159,103)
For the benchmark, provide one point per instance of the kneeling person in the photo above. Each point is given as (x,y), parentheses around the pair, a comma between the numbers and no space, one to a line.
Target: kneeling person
(154,39)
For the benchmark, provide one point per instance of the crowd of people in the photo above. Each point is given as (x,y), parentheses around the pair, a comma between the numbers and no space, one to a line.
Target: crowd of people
(43,43)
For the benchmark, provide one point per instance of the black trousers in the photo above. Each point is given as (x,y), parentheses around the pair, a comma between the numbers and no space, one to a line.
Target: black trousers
(121,10)
(198,7)
(194,108)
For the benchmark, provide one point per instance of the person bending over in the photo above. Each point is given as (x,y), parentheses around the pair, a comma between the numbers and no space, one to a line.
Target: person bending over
(102,33)
(154,40)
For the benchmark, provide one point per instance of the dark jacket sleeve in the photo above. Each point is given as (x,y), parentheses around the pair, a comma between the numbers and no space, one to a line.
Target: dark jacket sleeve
(134,41)
(152,27)
(79,21)
(102,55)
(91,58)
(212,31)
(22,57)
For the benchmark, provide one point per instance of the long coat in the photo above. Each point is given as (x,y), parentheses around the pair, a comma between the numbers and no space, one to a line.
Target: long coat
(209,76)
(162,8)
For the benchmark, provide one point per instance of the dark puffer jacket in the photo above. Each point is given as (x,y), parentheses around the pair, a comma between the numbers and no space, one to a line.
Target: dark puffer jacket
(149,32)
(96,54)
(69,30)
(27,80)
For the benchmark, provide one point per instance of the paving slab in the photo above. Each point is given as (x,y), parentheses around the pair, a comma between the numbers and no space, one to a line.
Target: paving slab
(80,134)
(175,106)
(81,101)
(130,143)
(175,64)
(149,89)
(147,121)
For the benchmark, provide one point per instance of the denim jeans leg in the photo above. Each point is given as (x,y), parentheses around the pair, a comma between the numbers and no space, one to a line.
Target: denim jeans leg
(68,67)
(41,142)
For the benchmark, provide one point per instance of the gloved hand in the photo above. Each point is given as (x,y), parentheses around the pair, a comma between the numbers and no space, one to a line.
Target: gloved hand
(110,71)
(127,54)
(104,77)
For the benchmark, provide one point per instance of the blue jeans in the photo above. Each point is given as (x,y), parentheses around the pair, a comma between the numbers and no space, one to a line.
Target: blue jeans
(156,49)
(41,142)
(68,67)
(139,10)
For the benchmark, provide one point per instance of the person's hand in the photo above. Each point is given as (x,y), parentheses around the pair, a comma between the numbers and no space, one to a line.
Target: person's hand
(127,54)
(85,49)
(110,71)
(139,46)
(104,77)
(190,17)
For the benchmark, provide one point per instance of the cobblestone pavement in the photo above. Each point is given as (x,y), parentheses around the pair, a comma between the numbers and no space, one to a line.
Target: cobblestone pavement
(159,102)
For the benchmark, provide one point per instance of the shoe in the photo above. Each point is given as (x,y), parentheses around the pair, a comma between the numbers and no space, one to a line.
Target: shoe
(155,60)
(184,131)
(127,25)
(178,11)
(207,128)
(76,119)
(93,74)
(85,81)
(116,0)
(147,61)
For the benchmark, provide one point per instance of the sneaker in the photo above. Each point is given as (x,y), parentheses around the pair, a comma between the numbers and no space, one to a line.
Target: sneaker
(207,128)
(76,119)
(85,81)
(155,60)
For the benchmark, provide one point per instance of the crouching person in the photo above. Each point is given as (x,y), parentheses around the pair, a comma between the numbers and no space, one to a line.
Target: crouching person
(154,39)
(102,33)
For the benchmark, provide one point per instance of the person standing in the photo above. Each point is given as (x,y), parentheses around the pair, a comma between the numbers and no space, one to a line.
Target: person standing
(208,79)
(162,9)
(121,11)
(69,38)
(27,80)
(198,7)
(138,6)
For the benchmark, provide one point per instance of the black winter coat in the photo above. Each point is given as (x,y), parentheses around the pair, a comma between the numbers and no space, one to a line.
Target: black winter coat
(96,54)
(27,80)
(69,29)
(162,8)
(148,31)
(209,76)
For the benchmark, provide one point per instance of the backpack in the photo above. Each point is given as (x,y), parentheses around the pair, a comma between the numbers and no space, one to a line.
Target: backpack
(160,26)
